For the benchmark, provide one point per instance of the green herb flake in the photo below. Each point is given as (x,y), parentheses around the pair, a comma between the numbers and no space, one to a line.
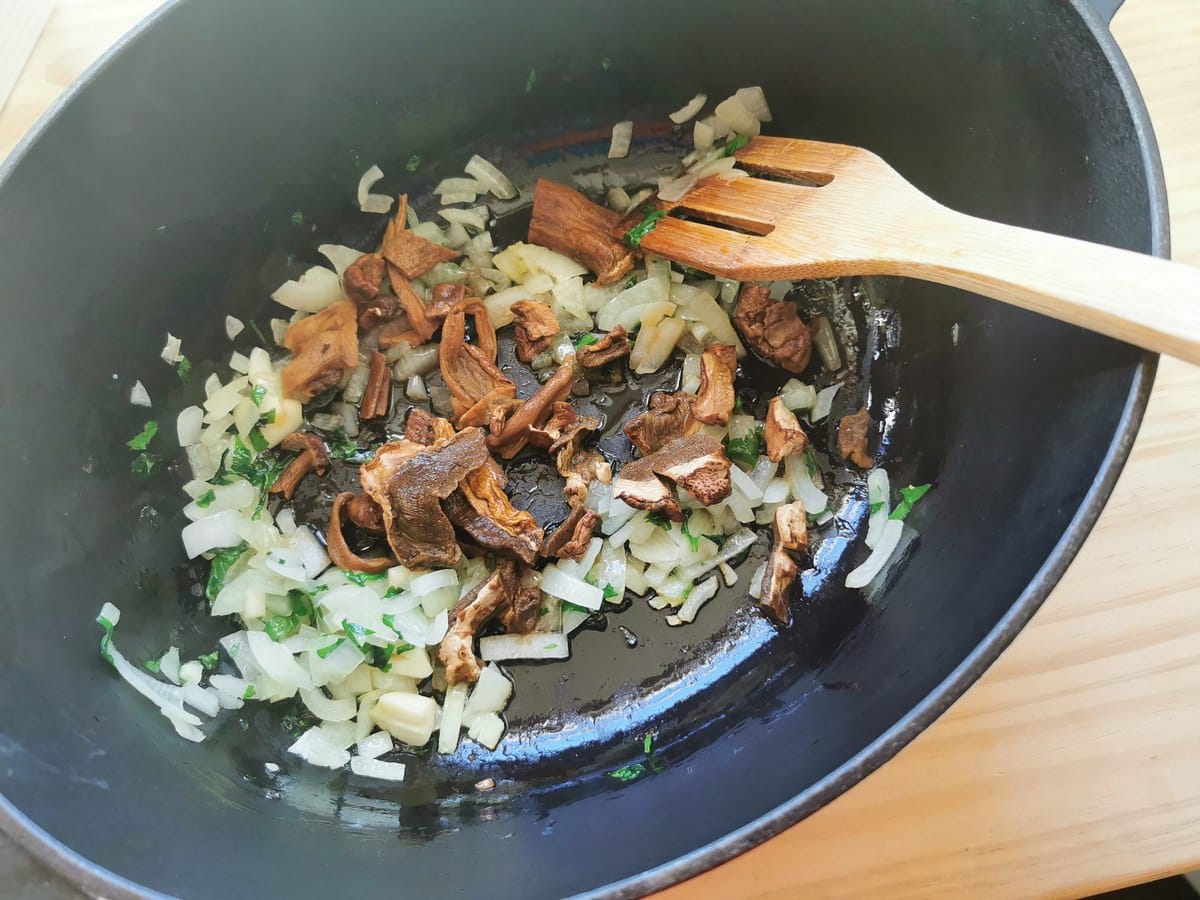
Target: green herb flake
(325,651)
(106,639)
(629,773)
(693,539)
(361,578)
(143,464)
(205,500)
(634,235)
(876,507)
(356,633)
(586,341)
(267,418)
(743,450)
(342,447)
(302,604)
(142,439)
(390,593)
(610,592)
(153,665)
(222,561)
(648,743)
(810,464)
(183,368)
(258,393)
(249,693)
(279,627)
(262,337)
(659,519)
(908,499)
(258,441)
(735,143)
(553,646)
(209,660)
(530,81)
(414,163)
(298,218)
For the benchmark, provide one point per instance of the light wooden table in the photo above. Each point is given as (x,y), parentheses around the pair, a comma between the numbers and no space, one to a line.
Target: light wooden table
(1073,766)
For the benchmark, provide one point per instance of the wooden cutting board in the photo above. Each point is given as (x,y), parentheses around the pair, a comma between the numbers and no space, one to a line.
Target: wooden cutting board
(1073,766)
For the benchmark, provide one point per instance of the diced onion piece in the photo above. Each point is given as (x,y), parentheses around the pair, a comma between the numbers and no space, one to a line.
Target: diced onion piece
(452,718)
(797,396)
(322,707)
(558,583)
(491,178)
(191,672)
(449,199)
(756,580)
(753,99)
(777,491)
(689,109)
(315,748)
(476,217)
(188,425)
(537,259)
(212,532)
(701,594)
(878,495)
(655,344)
(703,135)
(487,730)
(376,768)
(233,327)
(735,544)
(736,117)
(312,292)
(170,352)
(824,402)
(826,344)
(231,691)
(539,645)
(375,745)
(138,395)
(622,136)
(618,199)
(168,664)
(499,304)
(458,186)
(429,582)
(406,717)
(239,362)
(340,256)
(675,189)
(277,663)
(490,695)
(372,203)
(873,564)
(745,485)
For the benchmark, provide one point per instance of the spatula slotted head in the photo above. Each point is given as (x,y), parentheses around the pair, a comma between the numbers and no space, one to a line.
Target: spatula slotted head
(835,215)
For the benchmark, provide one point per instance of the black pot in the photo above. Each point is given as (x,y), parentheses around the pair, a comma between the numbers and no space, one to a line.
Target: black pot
(198,165)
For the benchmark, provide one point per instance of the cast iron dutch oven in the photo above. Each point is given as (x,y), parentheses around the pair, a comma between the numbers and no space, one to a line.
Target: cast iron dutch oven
(196,167)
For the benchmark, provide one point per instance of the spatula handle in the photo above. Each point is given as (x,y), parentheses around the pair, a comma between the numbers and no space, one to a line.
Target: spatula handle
(1139,299)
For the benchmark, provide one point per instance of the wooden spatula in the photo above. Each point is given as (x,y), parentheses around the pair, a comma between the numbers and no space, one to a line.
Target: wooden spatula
(855,215)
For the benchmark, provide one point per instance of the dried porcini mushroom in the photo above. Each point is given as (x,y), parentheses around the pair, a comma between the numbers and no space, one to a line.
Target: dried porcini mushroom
(324,348)
(666,418)
(520,426)
(535,326)
(853,434)
(313,457)
(339,551)
(697,463)
(457,650)
(613,346)
(566,221)
(773,328)
(782,432)
(570,539)
(474,381)
(790,539)
(412,255)
(715,399)
(363,278)
(377,396)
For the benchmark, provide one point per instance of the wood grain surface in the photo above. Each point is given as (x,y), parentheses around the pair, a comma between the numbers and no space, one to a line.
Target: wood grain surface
(1074,764)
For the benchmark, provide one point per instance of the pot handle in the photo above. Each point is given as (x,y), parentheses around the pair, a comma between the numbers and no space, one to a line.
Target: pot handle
(1106,9)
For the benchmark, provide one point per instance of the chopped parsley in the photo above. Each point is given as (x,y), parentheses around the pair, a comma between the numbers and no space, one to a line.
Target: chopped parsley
(693,539)
(258,394)
(735,143)
(609,592)
(530,81)
(249,694)
(279,627)
(629,773)
(302,604)
(222,561)
(205,500)
(184,368)
(262,337)
(648,743)
(258,441)
(209,660)
(267,418)
(106,639)
(298,218)
(876,507)
(143,464)
(361,578)
(414,163)
(356,633)
(553,646)
(392,592)
(743,450)
(586,341)
(342,447)
(659,519)
(634,235)
(908,499)
(153,665)
(142,439)
(325,651)
(261,472)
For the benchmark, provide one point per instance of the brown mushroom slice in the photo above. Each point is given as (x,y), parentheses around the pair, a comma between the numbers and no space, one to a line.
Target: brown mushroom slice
(469,375)
(853,434)
(782,432)
(535,326)
(312,457)
(364,513)
(570,539)
(613,346)
(568,222)
(457,650)
(417,326)
(422,426)
(773,328)
(696,462)
(520,614)
(790,537)
(519,428)
(666,418)
(562,437)
(377,396)
(410,481)
(324,347)
(339,551)
(715,399)
(363,278)
(412,255)
(482,510)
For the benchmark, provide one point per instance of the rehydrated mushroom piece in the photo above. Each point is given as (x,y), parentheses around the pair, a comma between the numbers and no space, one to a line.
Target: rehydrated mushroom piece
(562,437)
(782,431)
(568,222)
(377,396)
(457,650)
(410,481)
(570,539)
(697,463)
(520,615)
(773,328)
(313,457)
(520,427)
(613,346)
(474,381)
(535,326)
(412,255)
(364,513)
(363,278)
(324,347)
(715,400)
(853,434)
(421,426)
(666,418)
(339,551)
(790,538)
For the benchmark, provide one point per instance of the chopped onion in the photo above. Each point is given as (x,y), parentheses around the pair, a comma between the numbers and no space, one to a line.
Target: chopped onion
(756,580)
(824,402)
(168,664)
(340,256)
(476,217)
(458,186)
(491,694)
(487,730)
(558,583)
(188,425)
(315,748)
(689,109)
(312,292)
(804,488)
(372,203)
(429,582)
(798,396)
(734,115)
(499,304)
(753,99)
(701,594)
(539,645)
(567,306)
(736,543)
(675,189)
(212,533)
(375,745)
(654,345)
(452,718)
(699,306)
(322,707)
(622,136)
(618,199)
(138,395)
(703,135)
(230,690)
(409,718)
(537,259)
(827,345)
(277,663)
(415,391)
(491,178)
(170,353)
(776,492)
(412,361)
(377,768)
(865,574)
(878,495)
